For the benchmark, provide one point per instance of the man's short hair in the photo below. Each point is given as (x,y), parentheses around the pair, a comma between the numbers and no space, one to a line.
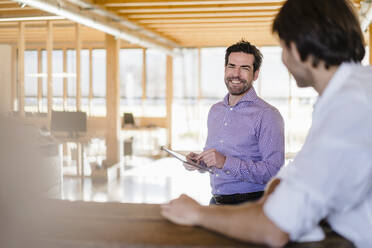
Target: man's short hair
(245,47)
(329,30)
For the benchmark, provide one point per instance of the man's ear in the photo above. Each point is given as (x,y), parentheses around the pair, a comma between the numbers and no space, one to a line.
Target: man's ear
(294,51)
(255,74)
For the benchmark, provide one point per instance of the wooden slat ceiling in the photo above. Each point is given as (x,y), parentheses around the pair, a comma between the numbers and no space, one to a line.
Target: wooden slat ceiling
(203,23)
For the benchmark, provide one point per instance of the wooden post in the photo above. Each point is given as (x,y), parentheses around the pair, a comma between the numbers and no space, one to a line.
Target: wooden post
(90,81)
(78,76)
(39,80)
(169,91)
(112,100)
(144,74)
(65,88)
(21,68)
(13,77)
(49,46)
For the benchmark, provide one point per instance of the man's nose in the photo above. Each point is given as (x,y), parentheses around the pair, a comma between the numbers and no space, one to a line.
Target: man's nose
(236,72)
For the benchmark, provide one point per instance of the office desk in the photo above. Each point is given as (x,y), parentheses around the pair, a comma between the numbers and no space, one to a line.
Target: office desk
(88,224)
(80,142)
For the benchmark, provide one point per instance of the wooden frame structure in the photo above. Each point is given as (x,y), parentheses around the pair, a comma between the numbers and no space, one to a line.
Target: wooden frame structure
(145,24)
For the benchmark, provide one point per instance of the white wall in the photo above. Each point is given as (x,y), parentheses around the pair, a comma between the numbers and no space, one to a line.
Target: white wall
(5,78)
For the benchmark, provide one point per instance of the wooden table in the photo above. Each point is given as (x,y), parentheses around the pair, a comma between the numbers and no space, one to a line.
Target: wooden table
(89,224)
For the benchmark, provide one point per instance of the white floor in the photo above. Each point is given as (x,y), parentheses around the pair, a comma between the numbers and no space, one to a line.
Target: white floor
(145,181)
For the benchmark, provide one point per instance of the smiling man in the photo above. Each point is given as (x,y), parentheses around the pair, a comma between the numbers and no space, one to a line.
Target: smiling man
(245,143)
(330,178)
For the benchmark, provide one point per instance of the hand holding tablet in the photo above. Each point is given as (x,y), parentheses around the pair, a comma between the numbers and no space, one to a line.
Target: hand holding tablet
(183,158)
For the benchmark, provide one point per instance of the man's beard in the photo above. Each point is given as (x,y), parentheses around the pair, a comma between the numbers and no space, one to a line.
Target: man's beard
(237,91)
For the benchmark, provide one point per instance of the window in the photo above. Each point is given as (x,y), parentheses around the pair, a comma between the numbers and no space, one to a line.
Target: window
(185,74)
(99,82)
(131,64)
(212,73)
(131,73)
(31,80)
(84,79)
(156,69)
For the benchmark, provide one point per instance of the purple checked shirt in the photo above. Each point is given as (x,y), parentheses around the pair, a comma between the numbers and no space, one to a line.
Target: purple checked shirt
(251,136)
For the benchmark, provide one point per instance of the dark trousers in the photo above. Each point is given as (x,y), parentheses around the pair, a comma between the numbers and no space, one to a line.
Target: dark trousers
(235,198)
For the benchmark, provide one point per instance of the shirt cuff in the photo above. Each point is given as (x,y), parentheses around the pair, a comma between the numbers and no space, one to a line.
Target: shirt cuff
(231,166)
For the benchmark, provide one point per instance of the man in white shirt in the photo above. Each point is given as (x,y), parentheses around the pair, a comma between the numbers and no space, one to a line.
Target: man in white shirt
(331,177)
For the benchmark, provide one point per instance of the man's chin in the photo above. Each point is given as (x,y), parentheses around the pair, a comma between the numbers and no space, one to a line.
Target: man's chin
(236,93)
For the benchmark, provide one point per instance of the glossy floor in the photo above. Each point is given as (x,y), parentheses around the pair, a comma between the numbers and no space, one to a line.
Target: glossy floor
(144,181)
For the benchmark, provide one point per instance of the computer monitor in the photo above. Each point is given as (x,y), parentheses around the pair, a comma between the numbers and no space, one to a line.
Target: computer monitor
(128,119)
(71,122)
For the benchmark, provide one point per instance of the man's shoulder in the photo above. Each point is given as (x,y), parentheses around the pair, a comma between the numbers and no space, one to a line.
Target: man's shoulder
(266,107)
(219,104)
(362,75)
(355,89)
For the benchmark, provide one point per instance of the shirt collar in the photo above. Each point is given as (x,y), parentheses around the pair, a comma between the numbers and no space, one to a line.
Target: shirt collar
(249,96)
(338,79)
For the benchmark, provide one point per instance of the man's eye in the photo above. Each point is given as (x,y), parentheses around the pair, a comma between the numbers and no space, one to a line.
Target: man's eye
(230,66)
(245,68)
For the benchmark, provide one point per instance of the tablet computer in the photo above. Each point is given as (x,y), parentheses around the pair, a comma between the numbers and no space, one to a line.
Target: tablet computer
(182,158)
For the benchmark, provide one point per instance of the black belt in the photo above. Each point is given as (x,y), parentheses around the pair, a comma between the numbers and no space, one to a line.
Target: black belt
(237,198)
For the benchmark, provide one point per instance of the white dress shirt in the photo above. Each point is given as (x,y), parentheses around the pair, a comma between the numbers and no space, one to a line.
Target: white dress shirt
(331,177)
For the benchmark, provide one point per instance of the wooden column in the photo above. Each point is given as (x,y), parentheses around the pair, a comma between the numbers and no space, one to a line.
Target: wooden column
(21,68)
(65,81)
(370,44)
(169,89)
(13,78)
(112,100)
(39,81)
(49,50)
(78,76)
(90,81)
(144,74)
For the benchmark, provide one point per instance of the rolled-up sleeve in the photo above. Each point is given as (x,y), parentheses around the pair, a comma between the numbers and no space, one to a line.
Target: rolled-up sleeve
(296,211)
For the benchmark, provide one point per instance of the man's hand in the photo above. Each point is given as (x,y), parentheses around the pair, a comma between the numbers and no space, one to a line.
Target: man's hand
(245,222)
(211,158)
(191,157)
(182,211)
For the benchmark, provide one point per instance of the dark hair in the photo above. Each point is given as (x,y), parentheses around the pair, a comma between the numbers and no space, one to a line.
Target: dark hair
(327,29)
(245,47)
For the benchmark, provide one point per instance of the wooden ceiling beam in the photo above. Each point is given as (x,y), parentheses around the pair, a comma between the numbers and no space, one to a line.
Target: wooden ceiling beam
(209,25)
(148,3)
(22,13)
(16,9)
(208,20)
(104,21)
(136,3)
(216,31)
(207,5)
(194,9)
(200,15)
(10,5)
